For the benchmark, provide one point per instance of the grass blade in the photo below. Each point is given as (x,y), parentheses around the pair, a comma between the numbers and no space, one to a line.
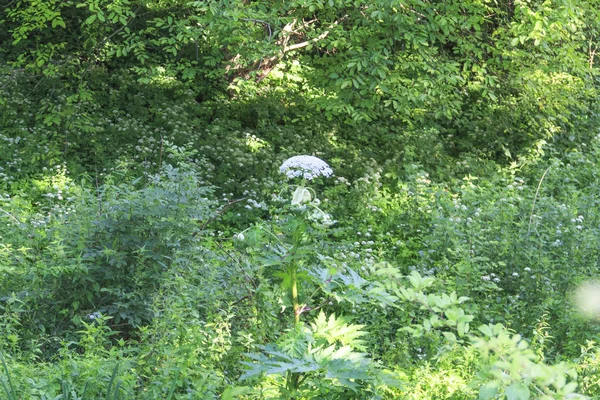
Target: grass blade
(65,390)
(7,391)
(173,386)
(117,387)
(10,393)
(85,388)
(112,379)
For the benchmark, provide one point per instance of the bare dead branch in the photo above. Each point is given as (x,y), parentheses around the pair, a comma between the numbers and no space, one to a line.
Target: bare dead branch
(305,43)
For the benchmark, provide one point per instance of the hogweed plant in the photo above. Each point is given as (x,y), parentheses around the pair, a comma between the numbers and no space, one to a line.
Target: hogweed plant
(327,355)
(307,168)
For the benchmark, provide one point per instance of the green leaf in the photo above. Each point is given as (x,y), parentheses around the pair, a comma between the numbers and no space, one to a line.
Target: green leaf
(486,330)
(570,387)
(415,279)
(58,22)
(232,393)
(90,20)
(451,337)
(488,391)
(462,328)
(338,331)
(517,391)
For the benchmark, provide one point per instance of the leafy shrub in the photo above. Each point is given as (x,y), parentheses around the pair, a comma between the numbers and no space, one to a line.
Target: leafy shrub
(103,251)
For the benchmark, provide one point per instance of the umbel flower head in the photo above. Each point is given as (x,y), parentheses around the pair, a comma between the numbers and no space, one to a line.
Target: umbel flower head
(307,167)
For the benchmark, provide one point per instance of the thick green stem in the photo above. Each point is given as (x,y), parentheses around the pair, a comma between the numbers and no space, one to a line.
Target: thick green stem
(292,383)
(295,301)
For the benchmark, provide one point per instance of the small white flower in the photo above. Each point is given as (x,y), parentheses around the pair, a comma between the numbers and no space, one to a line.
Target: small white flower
(515,274)
(485,278)
(308,167)
(94,315)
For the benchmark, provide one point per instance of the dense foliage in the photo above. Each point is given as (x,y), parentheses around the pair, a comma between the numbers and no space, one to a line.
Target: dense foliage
(438,239)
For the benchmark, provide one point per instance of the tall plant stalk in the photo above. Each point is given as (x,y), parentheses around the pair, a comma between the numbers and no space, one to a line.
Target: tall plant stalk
(295,302)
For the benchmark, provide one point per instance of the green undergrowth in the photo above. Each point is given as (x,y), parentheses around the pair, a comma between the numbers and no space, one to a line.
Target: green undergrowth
(150,248)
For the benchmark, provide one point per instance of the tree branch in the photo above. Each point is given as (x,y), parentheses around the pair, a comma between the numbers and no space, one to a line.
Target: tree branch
(305,43)
(290,30)
(260,21)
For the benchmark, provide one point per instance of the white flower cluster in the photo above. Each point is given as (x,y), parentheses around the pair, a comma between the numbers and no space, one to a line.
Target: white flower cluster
(94,315)
(307,167)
